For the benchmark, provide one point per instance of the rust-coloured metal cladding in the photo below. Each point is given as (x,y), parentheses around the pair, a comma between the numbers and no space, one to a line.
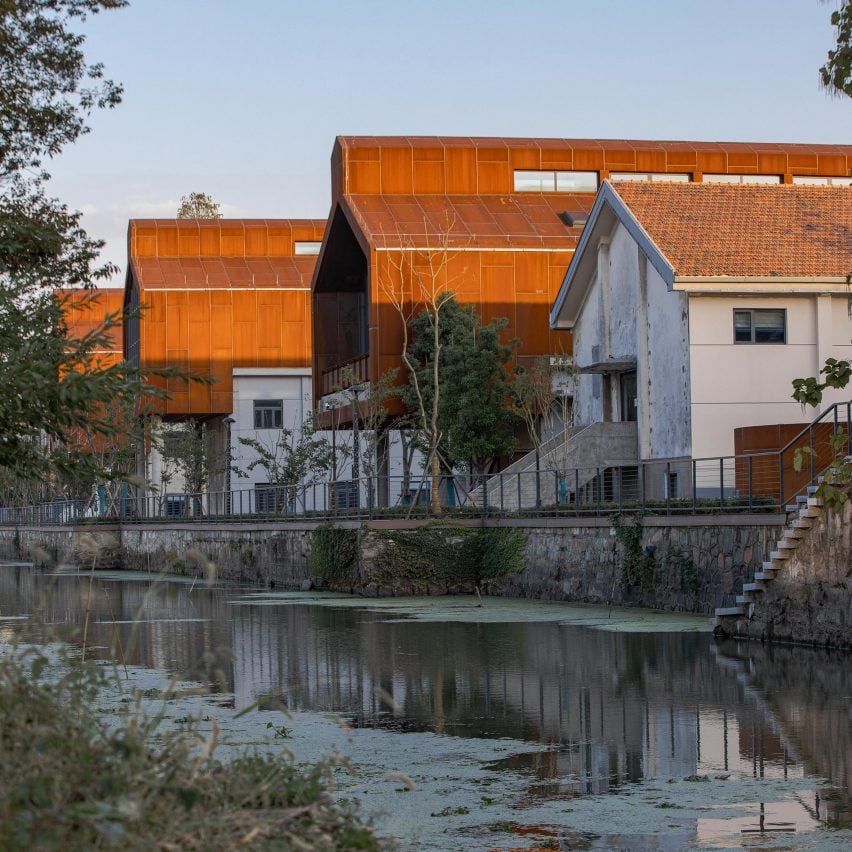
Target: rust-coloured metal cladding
(85,311)
(215,294)
(498,243)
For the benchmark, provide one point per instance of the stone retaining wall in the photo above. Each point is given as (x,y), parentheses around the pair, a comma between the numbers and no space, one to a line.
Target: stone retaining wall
(694,563)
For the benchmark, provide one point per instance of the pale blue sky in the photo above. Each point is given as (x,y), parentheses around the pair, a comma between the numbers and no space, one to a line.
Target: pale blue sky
(243,99)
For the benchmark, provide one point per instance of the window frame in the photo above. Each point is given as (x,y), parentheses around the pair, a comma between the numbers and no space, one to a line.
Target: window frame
(752,312)
(271,407)
(551,176)
(307,248)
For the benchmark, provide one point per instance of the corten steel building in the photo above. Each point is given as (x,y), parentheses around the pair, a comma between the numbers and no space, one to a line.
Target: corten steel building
(502,217)
(230,299)
(86,311)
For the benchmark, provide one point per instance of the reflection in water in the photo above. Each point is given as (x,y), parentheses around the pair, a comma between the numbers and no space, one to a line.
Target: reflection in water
(612,709)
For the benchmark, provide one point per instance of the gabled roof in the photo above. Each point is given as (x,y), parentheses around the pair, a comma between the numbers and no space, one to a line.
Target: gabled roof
(717,231)
(531,220)
(222,253)
(748,231)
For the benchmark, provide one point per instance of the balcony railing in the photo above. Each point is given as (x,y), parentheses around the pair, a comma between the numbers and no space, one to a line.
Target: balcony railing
(344,375)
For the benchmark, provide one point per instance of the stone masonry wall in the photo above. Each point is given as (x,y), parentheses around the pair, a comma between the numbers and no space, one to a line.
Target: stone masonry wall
(810,599)
(694,564)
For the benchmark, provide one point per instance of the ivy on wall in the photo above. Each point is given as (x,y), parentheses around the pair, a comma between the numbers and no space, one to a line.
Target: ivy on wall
(431,555)
(334,555)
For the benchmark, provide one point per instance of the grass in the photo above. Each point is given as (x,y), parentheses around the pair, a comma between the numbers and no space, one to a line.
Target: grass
(70,780)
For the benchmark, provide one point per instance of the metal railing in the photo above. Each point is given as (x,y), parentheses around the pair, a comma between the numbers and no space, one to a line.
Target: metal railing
(730,484)
(754,482)
(343,375)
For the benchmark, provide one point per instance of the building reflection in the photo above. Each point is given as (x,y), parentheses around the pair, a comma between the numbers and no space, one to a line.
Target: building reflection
(609,708)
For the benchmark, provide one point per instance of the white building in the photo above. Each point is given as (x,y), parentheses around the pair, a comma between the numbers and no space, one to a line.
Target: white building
(694,306)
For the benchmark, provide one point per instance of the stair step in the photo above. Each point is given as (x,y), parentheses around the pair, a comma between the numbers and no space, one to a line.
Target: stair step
(815,501)
(801,499)
(764,576)
(769,566)
(810,512)
(794,532)
(812,489)
(745,599)
(787,543)
(803,523)
(727,611)
(752,587)
(780,555)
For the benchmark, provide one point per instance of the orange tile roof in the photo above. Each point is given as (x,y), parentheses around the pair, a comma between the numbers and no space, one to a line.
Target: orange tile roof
(738,230)
(486,221)
(222,253)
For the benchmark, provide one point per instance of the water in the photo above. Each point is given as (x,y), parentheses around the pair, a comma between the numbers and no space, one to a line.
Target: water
(521,725)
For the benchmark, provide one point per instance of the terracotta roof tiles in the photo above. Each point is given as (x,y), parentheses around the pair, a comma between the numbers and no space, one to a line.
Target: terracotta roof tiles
(713,230)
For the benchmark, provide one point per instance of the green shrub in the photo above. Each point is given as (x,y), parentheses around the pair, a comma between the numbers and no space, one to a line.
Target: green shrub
(70,781)
(334,554)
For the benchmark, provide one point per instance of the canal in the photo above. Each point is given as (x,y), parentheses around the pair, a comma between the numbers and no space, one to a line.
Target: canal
(492,724)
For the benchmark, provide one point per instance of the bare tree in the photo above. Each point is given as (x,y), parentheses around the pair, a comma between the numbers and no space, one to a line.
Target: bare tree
(417,279)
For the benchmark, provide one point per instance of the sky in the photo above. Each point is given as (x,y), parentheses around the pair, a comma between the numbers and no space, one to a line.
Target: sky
(242,100)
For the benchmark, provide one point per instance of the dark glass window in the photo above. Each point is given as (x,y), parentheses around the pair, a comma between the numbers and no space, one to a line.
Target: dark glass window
(268,413)
(760,325)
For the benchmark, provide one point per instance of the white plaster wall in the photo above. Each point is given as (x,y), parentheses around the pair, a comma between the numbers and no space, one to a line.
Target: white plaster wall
(292,386)
(667,430)
(621,334)
(737,385)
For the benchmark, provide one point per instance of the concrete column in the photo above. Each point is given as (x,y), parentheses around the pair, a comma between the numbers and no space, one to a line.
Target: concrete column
(823,330)
(643,362)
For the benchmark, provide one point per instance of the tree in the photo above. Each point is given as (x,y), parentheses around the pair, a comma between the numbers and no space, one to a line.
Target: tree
(198,205)
(837,479)
(475,424)
(296,457)
(188,450)
(417,278)
(52,388)
(836,74)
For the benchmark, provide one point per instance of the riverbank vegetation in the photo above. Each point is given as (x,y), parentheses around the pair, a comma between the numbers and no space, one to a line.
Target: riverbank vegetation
(74,778)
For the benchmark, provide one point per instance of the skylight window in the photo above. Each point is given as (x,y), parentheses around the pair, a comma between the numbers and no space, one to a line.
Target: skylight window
(818,180)
(555,181)
(742,178)
(654,177)
(307,247)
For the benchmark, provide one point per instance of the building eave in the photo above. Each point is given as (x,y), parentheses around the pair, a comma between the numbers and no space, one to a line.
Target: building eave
(607,209)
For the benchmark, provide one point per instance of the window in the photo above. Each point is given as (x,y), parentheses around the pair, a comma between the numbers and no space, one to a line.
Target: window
(307,247)
(655,177)
(822,181)
(268,413)
(555,181)
(760,325)
(742,178)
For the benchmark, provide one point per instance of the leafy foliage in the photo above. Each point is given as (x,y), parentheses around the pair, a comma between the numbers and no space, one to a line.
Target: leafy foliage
(334,554)
(837,479)
(188,451)
(295,456)
(53,388)
(70,780)
(198,205)
(475,424)
(836,74)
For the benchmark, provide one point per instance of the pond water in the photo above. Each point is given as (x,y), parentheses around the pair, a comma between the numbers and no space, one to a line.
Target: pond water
(494,724)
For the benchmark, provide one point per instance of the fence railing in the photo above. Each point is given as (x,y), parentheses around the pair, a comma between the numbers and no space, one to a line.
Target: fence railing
(764,481)
(728,484)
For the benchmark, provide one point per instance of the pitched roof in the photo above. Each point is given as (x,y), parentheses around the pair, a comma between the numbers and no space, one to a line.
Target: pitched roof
(712,230)
(531,220)
(222,253)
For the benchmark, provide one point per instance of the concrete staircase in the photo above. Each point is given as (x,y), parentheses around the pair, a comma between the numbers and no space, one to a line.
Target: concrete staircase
(803,514)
